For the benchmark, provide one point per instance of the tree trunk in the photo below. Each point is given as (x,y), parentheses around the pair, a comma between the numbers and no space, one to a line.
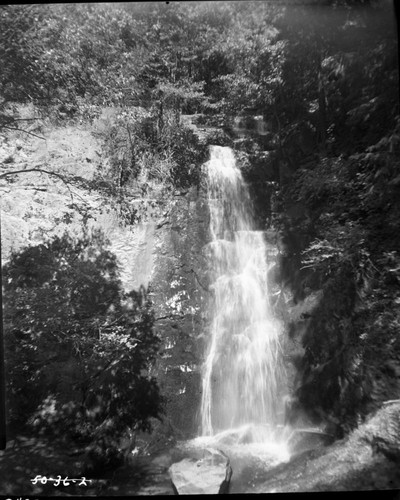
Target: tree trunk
(322,121)
(160,121)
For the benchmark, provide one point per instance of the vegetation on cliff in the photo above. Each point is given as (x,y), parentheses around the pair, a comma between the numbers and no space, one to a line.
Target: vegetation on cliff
(79,349)
(307,94)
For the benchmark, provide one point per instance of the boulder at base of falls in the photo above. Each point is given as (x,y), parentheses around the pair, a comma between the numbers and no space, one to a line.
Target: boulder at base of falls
(208,474)
(307,439)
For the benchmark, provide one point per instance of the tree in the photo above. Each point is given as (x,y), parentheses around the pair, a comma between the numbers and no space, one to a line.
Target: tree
(78,348)
(339,124)
(68,57)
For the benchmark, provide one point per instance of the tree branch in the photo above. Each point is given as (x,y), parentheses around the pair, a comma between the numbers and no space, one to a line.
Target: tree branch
(25,119)
(21,130)
(169,316)
(130,139)
(42,171)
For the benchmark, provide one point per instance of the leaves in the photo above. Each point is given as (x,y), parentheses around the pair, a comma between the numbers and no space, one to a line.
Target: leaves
(78,347)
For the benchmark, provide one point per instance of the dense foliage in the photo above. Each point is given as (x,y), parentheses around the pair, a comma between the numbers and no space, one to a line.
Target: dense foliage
(337,204)
(79,349)
(146,148)
(309,95)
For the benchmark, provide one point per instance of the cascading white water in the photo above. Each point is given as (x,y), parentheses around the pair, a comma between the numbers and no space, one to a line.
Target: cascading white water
(242,373)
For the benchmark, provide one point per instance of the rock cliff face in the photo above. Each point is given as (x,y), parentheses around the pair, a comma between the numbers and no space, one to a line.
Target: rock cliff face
(54,190)
(179,288)
(162,251)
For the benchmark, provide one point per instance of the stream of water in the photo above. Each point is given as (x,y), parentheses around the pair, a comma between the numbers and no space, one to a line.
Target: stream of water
(243,374)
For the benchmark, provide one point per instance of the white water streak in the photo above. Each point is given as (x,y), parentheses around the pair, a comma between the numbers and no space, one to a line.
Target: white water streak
(243,370)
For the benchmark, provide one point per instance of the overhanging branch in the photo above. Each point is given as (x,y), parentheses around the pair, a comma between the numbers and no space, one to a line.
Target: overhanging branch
(42,171)
(22,130)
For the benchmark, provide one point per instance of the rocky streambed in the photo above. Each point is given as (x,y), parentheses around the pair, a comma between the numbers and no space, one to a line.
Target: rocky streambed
(367,459)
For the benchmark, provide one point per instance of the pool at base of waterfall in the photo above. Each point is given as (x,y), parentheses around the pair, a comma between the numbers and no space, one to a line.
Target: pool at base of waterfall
(257,440)
(251,449)
(367,459)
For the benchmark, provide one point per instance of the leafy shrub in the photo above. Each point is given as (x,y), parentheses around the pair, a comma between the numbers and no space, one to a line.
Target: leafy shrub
(78,347)
(188,154)
(168,151)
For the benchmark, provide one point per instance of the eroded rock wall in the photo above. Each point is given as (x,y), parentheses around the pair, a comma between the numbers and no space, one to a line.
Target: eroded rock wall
(179,289)
(162,251)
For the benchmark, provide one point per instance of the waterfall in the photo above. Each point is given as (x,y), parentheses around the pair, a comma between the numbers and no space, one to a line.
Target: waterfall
(242,372)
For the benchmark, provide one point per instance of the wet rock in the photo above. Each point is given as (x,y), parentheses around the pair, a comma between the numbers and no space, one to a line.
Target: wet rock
(210,474)
(392,368)
(179,284)
(367,459)
(383,431)
(206,133)
(307,439)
